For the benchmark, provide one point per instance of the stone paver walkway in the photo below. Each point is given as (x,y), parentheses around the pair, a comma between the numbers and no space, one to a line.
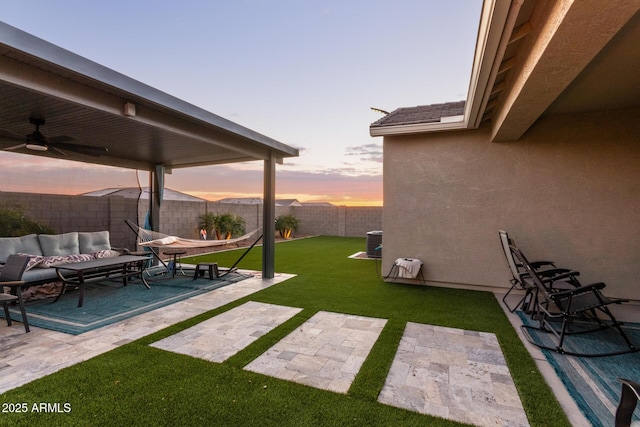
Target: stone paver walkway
(326,352)
(451,373)
(26,357)
(455,374)
(222,336)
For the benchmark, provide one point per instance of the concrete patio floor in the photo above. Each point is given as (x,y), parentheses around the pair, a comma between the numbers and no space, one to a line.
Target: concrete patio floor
(28,356)
(42,352)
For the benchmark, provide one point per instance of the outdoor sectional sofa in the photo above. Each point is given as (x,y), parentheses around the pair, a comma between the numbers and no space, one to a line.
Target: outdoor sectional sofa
(48,250)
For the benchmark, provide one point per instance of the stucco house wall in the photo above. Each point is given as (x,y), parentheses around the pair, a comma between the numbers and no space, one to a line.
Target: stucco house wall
(568,190)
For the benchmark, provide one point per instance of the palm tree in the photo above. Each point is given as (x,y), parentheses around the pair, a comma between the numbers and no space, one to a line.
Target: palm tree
(228,225)
(285,224)
(225,225)
(237,227)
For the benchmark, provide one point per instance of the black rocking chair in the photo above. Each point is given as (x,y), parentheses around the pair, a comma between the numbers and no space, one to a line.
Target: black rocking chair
(559,310)
(562,278)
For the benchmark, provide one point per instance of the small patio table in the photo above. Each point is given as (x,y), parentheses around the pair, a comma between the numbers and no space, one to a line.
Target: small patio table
(124,266)
(173,265)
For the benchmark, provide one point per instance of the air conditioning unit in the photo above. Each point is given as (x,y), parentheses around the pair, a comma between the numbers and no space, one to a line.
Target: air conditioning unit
(374,244)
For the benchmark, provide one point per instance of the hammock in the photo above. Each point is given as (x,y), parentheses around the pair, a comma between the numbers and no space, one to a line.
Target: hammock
(154,239)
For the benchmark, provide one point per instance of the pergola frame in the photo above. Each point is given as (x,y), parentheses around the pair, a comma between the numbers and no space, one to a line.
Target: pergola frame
(141,127)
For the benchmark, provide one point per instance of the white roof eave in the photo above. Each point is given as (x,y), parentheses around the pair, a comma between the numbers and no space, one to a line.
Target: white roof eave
(417,128)
(496,23)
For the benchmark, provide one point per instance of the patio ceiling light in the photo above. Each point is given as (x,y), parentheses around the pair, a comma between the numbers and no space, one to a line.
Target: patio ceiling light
(36,147)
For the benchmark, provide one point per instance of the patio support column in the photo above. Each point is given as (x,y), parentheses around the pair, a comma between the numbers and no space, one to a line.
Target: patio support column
(269,218)
(156,187)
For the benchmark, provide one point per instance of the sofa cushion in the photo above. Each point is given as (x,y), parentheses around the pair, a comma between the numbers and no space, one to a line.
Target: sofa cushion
(54,260)
(107,253)
(28,244)
(94,242)
(34,260)
(41,275)
(59,244)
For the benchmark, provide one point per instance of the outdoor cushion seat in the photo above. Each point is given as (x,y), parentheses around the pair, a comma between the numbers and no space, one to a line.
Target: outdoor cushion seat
(40,275)
(59,244)
(28,244)
(74,246)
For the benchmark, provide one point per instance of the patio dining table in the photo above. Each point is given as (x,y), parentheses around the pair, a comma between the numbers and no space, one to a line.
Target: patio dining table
(121,267)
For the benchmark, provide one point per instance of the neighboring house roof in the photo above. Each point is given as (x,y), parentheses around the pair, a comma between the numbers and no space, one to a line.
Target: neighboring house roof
(258,201)
(134,193)
(317,204)
(288,202)
(423,114)
(242,200)
(531,60)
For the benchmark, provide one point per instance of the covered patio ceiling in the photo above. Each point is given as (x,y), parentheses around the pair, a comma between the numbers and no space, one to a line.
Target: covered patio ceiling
(128,123)
(140,127)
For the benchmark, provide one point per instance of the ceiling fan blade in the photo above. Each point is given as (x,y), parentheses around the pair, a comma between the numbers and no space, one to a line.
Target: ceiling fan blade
(59,139)
(56,151)
(79,148)
(7,134)
(15,147)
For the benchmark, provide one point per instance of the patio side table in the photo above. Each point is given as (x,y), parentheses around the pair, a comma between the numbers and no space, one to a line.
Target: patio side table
(173,264)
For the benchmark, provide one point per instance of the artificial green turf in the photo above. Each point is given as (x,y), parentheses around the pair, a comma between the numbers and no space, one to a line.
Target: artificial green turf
(140,385)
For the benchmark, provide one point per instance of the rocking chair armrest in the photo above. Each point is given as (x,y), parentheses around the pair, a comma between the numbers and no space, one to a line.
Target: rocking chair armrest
(569,274)
(579,290)
(538,264)
(558,273)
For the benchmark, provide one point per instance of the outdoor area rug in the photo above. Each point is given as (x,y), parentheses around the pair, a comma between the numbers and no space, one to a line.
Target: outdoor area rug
(110,302)
(593,381)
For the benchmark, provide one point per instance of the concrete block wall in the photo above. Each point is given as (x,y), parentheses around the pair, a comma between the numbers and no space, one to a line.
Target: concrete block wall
(349,221)
(252,214)
(361,219)
(317,219)
(77,213)
(180,218)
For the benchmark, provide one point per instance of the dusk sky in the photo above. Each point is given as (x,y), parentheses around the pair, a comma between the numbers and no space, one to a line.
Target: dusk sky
(302,72)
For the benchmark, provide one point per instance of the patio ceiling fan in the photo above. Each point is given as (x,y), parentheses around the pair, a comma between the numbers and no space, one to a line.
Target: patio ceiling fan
(36,141)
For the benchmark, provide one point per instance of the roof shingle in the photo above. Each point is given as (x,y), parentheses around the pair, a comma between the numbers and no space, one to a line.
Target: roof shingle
(421,114)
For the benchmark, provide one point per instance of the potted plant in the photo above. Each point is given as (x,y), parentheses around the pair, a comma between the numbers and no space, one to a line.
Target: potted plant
(286,224)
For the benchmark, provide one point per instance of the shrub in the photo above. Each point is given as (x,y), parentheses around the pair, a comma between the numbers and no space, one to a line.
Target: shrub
(225,225)
(230,225)
(286,224)
(14,223)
